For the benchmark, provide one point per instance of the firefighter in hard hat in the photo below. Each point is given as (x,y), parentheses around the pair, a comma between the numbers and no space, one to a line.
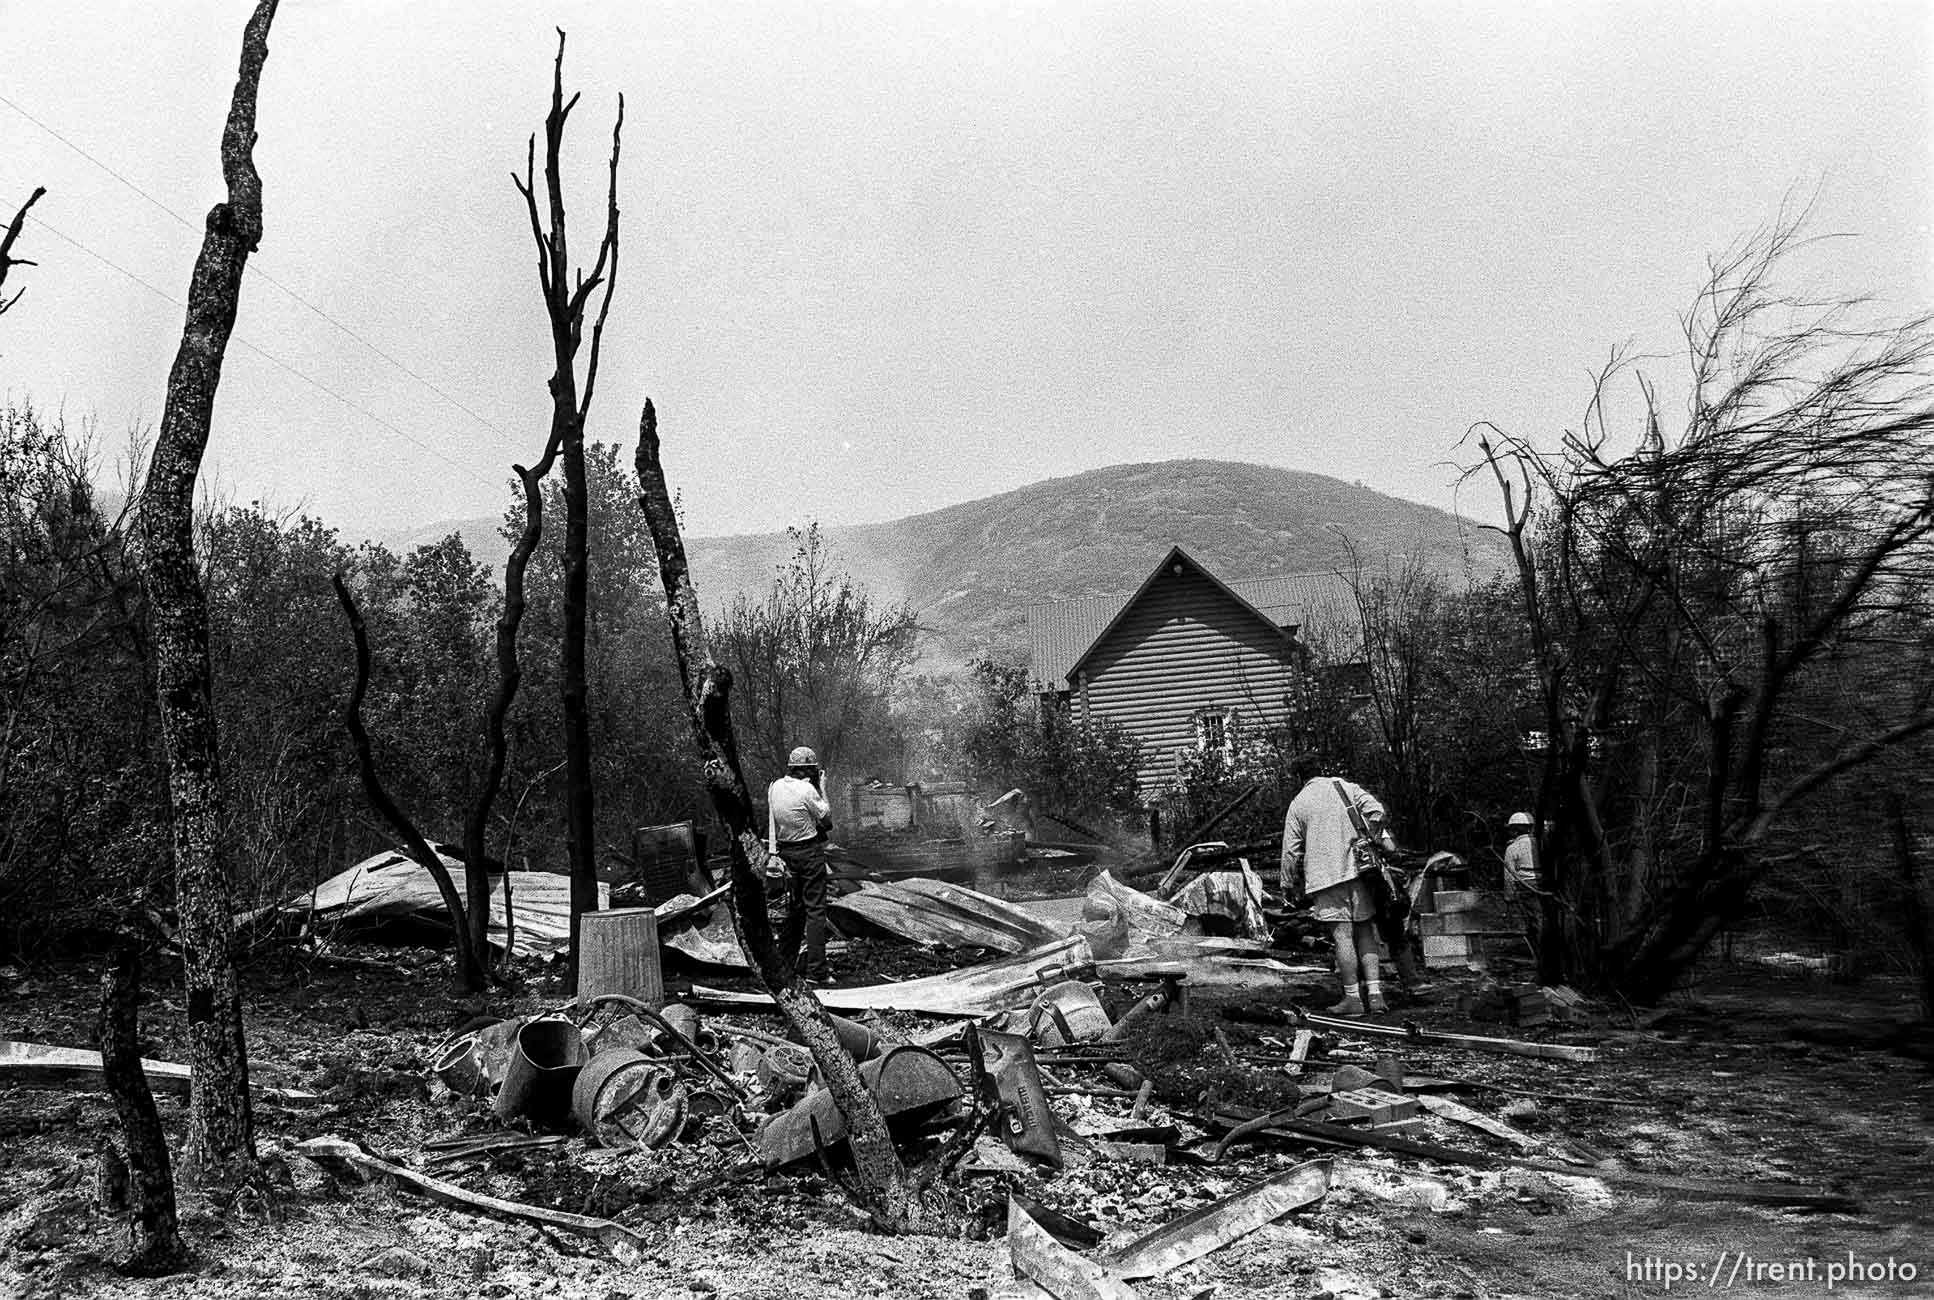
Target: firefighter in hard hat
(798,820)
(1522,885)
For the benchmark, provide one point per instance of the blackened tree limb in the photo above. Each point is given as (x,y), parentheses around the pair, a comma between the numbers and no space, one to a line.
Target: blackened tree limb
(221,1125)
(7,259)
(510,676)
(893,1192)
(470,969)
(564,305)
(156,1245)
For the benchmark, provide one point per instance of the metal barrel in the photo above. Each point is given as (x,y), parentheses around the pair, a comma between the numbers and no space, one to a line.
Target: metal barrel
(608,1105)
(544,1065)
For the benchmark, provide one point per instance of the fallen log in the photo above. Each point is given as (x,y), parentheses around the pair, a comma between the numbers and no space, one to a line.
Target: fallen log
(612,1236)
(1284,1123)
(1414,1034)
(1213,1226)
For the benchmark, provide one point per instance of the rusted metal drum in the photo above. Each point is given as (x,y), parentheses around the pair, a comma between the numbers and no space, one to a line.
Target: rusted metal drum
(624,1099)
(544,1064)
(459,1063)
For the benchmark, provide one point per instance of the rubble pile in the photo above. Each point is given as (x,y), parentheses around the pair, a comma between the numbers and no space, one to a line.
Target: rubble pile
(1118,1095)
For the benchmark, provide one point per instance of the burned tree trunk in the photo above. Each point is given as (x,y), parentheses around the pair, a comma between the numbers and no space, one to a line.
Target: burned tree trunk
(893,1192)
(155,1237)
(470,967)
(564,303)
(221,1127)
(510,676)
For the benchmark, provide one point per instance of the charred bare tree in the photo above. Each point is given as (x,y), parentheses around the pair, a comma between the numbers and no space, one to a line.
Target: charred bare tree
(221,1125)
(1688,598)
(510,676)
(565,301)
(470,956)
(893,1193)
(7,260)
(156,1245)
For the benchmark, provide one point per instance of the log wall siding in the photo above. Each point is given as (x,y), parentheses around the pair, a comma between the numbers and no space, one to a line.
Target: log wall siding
(1185,647)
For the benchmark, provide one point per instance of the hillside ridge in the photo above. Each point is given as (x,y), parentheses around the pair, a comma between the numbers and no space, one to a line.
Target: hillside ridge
(969,570)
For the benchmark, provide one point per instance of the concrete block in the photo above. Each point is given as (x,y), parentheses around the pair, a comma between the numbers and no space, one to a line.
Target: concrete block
(1375,1105)
(1447,945)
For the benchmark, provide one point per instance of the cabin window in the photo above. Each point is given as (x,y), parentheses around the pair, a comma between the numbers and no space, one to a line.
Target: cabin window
(1215,730)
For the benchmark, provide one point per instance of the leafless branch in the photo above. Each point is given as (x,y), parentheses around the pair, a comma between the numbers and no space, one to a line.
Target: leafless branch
(7,259)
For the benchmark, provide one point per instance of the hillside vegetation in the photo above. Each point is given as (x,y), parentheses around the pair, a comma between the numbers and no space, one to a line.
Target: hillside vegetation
(969,570)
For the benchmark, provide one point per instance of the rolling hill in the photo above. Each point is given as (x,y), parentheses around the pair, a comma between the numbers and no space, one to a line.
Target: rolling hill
(970,570)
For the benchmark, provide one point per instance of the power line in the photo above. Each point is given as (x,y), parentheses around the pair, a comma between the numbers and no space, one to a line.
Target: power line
(255,270)
(267,356)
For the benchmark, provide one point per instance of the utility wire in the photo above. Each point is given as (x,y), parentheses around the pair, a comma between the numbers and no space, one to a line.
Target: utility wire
(258,271)
(269,357)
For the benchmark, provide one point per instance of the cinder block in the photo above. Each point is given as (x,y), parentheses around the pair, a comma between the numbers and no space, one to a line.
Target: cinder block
(1458,900)
(1373,1104)
(1446,951)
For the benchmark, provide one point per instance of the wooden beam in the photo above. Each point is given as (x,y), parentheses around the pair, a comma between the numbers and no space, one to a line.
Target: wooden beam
(1411,1033)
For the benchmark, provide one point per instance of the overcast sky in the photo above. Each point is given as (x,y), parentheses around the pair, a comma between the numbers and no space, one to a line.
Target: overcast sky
(879,258)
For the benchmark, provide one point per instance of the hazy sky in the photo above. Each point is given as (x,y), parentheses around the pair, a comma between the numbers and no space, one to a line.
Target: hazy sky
(878,258)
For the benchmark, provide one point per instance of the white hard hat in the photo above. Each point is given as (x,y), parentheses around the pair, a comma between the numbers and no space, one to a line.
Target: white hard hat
(803,757)
(1521,819)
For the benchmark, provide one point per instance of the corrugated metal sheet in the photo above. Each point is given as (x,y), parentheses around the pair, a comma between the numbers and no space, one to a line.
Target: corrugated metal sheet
(1060,632)
(390,884)
(1186,646)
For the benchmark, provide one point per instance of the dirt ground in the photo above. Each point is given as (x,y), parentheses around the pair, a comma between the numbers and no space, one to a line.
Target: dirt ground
(1756,1078)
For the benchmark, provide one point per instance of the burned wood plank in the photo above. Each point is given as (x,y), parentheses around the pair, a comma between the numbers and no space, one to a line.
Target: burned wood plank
(1211,1227)
(1500,1046)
